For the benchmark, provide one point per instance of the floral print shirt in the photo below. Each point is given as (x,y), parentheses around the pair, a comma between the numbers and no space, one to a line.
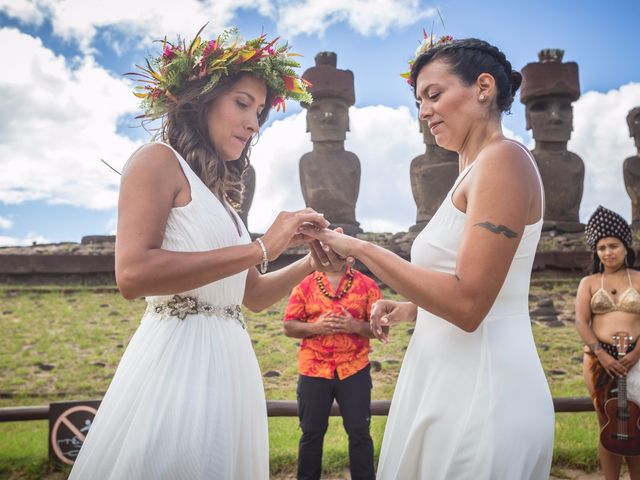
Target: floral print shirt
(342,353)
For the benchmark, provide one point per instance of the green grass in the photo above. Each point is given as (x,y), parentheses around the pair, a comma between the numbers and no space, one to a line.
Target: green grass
(58,343)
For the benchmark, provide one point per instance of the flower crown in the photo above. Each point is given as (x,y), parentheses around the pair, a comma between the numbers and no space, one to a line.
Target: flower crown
(165,77)
(427,44)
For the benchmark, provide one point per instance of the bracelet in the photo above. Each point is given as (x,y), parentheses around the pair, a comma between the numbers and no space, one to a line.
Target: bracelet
(265,258)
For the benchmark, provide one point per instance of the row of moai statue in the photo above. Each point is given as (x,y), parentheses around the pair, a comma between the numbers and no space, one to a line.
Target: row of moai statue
(330,175)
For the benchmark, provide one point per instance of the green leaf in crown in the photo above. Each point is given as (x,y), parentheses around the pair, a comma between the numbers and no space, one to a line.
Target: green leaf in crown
(165,77)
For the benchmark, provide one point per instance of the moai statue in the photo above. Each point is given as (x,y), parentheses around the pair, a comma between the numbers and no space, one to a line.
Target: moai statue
(248,189)
(548,89)
(631,168)
(330,175)
(432,175)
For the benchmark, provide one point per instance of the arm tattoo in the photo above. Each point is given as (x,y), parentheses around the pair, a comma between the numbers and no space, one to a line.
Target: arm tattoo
(497,229)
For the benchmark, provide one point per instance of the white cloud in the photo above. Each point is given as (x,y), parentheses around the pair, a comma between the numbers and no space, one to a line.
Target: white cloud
(5,223)
(111,225)
(512,135)
(275,159)
(27,11)
(81,20)
(59,123)
(59,120)
(601,138)
(29,239)
(385,140)
(367,17)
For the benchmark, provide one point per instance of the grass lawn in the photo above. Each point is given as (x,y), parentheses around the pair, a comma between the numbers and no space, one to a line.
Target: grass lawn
(64,344)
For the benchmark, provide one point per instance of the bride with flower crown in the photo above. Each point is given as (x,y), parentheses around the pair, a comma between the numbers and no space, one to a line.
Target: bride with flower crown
(187,399)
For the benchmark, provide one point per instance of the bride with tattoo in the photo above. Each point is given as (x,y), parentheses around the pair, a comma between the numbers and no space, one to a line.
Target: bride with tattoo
(471,400)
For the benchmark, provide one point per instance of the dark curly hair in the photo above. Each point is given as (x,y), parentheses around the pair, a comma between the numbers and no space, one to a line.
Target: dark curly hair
(185,129)
(468,58)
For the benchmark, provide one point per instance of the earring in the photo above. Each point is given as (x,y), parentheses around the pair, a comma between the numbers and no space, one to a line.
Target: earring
(481,97)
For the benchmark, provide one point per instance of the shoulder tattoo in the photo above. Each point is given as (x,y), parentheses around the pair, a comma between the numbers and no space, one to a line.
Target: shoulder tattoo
(497,229)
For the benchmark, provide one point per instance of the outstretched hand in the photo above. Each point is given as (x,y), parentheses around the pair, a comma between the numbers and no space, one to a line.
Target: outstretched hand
(324,260)
(332,240)
(386,313)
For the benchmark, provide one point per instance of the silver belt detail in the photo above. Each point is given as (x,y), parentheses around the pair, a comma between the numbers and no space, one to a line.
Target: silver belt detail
(182,306)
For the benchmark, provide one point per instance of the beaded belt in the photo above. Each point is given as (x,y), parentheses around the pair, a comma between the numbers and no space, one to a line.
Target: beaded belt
(182,306)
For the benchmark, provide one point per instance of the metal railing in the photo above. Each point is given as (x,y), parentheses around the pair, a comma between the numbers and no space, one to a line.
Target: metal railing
(289,408)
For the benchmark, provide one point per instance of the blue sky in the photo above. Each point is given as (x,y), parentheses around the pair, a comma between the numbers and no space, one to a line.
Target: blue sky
(66,104)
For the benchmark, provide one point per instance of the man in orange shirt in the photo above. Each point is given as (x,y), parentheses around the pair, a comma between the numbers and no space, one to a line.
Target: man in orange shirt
(330,313)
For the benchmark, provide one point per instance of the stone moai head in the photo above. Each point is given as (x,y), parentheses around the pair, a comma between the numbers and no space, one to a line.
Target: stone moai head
(333,93)
(548,89)
(633,120)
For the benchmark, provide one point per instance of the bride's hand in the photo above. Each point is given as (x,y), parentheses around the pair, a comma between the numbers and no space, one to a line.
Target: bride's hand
(332,240)
(324,259)
(285,230)
(386,313)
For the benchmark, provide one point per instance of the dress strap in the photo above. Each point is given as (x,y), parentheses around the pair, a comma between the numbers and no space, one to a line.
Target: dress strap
(183,163)
(629,277)
(461,177)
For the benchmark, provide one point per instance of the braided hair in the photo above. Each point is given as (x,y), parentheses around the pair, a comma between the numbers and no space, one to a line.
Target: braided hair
(468,58)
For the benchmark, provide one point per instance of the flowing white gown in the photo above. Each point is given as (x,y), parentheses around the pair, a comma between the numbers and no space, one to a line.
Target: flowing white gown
(471,405)
(187,400)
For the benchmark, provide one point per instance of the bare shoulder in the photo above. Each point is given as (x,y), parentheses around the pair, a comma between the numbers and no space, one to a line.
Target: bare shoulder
(504,169)
(635,274)
(505,157)
(589,282)
(152,157)
(155,166)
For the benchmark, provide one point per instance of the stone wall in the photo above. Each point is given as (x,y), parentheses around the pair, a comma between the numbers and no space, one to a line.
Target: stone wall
(91,262)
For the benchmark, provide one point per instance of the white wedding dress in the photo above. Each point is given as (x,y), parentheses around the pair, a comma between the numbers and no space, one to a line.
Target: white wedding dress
(470,405)
(187,400)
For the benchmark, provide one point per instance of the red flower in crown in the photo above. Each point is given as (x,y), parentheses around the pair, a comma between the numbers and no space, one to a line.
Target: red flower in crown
(210,47)
(168,52)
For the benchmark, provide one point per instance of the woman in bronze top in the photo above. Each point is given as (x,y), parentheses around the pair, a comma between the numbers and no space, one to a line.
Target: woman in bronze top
(608,302)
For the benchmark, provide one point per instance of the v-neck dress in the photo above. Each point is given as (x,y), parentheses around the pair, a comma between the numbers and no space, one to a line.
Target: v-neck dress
(187,400)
